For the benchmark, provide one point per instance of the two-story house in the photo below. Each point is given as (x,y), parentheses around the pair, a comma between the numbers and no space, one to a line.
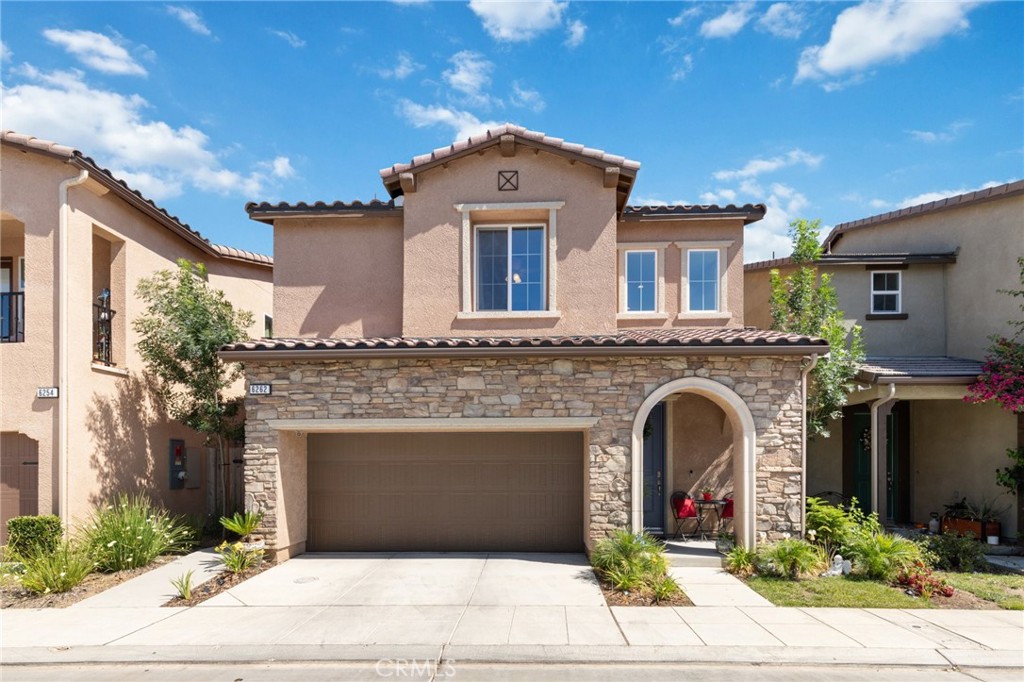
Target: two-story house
(78,421)
(924,283)
(508,356)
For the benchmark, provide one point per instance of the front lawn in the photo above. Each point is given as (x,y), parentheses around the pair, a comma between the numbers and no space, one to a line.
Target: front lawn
(837,591)
(1003,589)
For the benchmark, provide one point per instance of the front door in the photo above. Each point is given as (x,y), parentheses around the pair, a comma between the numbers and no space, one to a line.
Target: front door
(857,456)
(654,471)
(857,459)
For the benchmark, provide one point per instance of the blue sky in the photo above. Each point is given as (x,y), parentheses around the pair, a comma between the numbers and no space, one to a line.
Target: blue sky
(821,110)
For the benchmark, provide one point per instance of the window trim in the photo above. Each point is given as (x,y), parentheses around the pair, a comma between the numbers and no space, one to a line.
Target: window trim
(898,292)
(723,311)
(508,227)
(658,248)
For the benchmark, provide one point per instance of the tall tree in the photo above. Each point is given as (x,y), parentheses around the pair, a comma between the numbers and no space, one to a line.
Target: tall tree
(805,302)
(185,323)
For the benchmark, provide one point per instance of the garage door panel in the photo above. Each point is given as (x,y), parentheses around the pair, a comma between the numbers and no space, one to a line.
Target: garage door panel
(446,492)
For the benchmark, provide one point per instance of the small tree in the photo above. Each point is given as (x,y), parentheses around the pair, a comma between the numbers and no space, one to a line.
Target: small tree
(185,324)
(806,303)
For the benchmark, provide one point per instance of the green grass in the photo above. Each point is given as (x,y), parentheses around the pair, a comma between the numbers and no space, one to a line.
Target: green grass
(844,592)
(1006,590)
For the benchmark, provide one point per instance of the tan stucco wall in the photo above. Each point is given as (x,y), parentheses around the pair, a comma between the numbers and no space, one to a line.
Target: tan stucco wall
(684,231)
(956,449)
(118,439)
(825,460)
(587,284)
(338,277)
(990,237)
(757,293)
(702,446)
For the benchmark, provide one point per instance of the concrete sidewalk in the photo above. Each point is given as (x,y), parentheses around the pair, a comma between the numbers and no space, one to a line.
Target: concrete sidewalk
(153,588)
(493,609)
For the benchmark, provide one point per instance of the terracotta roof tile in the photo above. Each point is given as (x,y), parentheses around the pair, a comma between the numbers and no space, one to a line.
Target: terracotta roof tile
(909,368)
(319,207)
(750,212)
(630,338)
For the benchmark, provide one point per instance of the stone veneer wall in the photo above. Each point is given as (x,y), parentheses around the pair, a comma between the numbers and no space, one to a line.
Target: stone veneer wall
(609,388)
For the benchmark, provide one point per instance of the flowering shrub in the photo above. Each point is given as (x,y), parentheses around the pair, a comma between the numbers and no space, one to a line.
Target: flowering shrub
(1002,376)
(920,580)
(56,571)
(130,532)
(237,557)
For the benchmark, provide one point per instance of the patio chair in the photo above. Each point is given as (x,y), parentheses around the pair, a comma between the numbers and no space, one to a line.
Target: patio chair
(728,511)
(683,508)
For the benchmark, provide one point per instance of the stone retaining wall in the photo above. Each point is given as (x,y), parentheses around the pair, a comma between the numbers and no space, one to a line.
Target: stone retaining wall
(610,389)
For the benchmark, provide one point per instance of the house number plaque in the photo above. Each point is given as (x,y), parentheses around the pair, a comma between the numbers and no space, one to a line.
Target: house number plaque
(47,392)
(259,389)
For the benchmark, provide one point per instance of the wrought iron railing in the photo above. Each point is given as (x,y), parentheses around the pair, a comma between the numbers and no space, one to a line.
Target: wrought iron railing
(102,338)
(12,317)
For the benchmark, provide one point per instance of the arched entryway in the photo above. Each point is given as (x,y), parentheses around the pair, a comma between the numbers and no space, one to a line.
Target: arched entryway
(744,448)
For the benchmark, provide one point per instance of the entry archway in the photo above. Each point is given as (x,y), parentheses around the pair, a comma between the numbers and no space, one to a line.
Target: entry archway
(744,470)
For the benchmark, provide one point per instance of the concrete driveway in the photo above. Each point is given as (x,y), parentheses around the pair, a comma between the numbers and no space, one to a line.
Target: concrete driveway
(411,598)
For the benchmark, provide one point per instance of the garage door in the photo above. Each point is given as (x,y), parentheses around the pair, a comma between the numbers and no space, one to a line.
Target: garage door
(445,492)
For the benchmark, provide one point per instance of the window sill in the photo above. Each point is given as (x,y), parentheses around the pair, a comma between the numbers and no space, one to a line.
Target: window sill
(509,315)
(642,316)
(704,316)
(106,369)
(886,316)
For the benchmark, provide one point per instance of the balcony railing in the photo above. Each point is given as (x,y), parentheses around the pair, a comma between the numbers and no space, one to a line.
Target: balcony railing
(12,317)
(102,339)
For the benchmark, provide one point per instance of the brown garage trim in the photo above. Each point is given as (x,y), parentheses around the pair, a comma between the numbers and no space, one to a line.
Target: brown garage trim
(437,424)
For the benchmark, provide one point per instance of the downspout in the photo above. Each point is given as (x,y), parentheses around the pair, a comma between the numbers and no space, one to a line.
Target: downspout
(63,266)
(875,406)
(803,442)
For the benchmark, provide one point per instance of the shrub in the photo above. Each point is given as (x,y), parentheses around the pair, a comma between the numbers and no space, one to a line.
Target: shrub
(790,558)
(57,571)
(882,555)
(953,552)
(242,525)
(920,580)
(741,561)
(183,584)
(27,535)
(130,532)
(634,562)
(830,525)
(238,558)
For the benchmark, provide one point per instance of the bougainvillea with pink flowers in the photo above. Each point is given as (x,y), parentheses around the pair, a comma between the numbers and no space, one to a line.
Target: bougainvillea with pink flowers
(1002,374)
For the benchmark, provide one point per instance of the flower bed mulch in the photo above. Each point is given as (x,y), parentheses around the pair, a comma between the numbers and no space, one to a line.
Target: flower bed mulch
(14,596)
(219,583)
(615,598)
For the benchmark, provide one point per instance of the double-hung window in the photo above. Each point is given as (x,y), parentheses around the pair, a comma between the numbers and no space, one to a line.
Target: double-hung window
(510,268)
(641,281)
(702,278)
(885,293)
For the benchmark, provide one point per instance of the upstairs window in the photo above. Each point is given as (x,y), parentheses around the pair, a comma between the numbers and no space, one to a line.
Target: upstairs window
(510,268)
(641,281)
(885,293)
(702,277)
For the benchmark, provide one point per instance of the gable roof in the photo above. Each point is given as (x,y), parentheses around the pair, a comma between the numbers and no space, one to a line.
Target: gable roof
(991,193)
(507,136)
(266,212)
(133,197)
(750,213)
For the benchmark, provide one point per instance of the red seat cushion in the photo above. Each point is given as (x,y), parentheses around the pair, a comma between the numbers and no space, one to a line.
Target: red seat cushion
(727,509)
(685,508)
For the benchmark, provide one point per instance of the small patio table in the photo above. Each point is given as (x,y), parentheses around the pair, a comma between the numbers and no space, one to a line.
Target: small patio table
(704,509)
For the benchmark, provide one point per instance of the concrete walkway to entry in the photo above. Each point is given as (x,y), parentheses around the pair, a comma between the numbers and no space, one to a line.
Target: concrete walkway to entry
(497,607)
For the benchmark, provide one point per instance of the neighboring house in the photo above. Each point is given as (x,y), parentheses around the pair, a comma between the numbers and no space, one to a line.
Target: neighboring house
(473,369)
(77,419)
(923,283)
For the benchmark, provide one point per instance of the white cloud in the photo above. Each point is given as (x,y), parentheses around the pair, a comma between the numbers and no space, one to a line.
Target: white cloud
(289,37)
(470,75)
(526,98)
(154,156)
(282,167)
(518,21)
(756,167)
(684,16)
(682,68)
(722,196)
(948,134)
(404,67)
(769,237)
(878,31)
(462,123)
(96,51)
(879,204)
(783,20)
(576,32)
(5,52)
(728,23)
(190,18)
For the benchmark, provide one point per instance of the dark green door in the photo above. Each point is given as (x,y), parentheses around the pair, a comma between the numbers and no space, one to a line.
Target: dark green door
(860,486)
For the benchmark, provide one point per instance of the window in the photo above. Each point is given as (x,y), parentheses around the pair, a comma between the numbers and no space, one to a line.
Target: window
(702,279)
(641,281)
(885,292)
(510,268)
(268,326)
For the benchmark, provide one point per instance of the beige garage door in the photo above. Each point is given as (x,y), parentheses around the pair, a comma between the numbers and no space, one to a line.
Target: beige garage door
(446,492)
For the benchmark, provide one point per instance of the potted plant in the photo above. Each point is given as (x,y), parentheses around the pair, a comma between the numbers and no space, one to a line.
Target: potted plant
(244,526)
(706,492)
(979,520)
